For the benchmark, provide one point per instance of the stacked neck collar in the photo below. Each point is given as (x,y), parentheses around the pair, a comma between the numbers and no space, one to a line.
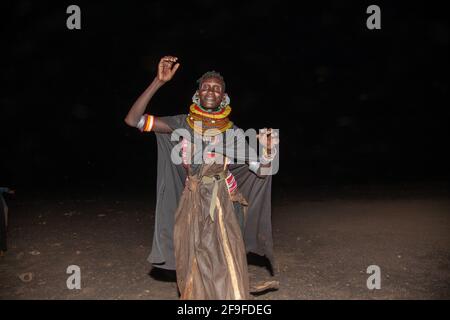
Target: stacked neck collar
(212,122)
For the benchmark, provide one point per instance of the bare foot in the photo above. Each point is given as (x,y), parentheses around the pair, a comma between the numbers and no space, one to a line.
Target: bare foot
(268,285)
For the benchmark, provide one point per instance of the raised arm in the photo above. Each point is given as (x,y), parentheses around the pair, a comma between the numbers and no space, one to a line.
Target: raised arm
(269,140)
(166,69)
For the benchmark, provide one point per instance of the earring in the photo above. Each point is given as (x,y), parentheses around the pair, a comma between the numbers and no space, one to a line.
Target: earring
(196,98)
(225,101)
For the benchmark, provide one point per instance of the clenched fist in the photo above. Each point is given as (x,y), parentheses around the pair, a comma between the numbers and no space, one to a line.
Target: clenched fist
(268,138)
(167,67)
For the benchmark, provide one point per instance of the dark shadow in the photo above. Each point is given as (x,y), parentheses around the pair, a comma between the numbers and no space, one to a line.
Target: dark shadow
(260,261)
(163,275)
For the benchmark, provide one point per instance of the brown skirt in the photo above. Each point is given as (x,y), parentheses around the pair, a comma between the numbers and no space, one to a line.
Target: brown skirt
(210,253)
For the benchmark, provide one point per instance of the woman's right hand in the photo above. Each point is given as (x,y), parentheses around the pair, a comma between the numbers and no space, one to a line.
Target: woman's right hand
(167,67)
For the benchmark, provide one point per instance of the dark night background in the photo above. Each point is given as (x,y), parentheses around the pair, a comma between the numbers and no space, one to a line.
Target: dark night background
(354,106)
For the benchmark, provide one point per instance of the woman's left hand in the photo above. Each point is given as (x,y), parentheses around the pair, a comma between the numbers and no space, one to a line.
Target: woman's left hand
(268,138)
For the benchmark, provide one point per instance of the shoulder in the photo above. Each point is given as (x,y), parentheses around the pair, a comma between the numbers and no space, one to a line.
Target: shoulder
(174,121)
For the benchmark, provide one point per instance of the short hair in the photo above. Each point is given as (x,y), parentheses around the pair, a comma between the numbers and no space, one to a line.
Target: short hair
(209,75)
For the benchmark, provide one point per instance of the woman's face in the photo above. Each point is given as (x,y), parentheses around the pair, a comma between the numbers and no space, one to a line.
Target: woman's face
(211,93)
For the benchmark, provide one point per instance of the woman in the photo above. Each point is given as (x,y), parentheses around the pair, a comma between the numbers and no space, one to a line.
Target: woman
(211,213)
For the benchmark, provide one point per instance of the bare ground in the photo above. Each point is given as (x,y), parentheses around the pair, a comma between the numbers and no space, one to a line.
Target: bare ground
(324,242)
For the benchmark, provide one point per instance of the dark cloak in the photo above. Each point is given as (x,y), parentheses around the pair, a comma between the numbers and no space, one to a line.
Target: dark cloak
(170,184)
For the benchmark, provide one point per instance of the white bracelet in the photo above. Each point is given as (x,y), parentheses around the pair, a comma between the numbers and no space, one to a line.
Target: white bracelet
(140,124)
(254,166)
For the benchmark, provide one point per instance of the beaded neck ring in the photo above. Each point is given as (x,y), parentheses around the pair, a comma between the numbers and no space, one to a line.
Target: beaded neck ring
(210,118)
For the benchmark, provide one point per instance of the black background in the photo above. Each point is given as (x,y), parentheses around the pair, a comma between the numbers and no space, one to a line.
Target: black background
(354,106)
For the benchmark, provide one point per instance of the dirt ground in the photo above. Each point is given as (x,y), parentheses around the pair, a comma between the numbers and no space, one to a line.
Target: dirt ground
(324,241)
